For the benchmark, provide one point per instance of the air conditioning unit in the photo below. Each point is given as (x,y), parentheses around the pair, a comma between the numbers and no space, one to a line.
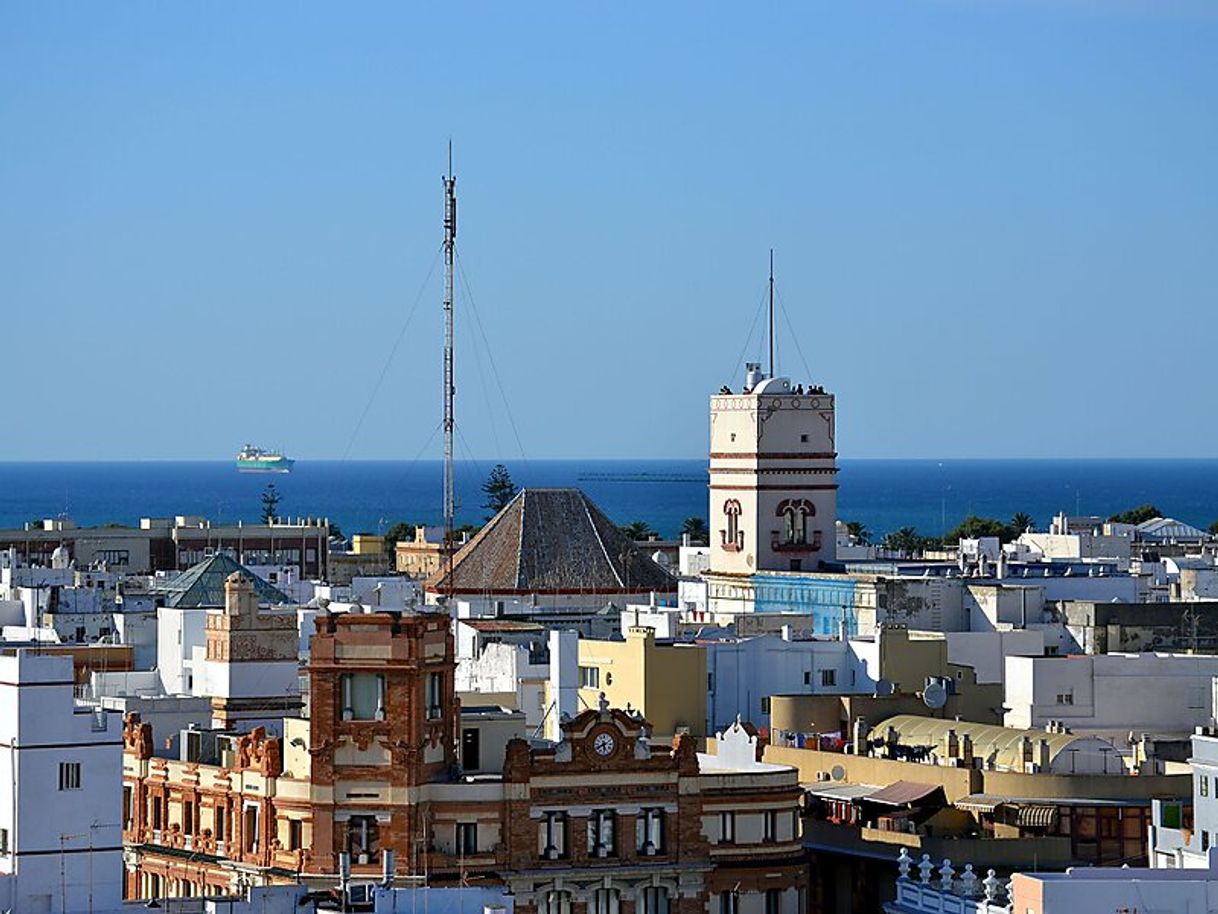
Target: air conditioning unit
(361,892)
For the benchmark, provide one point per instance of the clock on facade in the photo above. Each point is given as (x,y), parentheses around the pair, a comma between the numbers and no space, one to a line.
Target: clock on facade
(603,744)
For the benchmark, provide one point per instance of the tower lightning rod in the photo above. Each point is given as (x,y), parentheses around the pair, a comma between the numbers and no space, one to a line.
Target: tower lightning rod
(771,312)
(450,247)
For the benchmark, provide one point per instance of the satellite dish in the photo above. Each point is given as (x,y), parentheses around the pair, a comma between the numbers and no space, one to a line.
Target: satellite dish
(837,773)
(934,696)
(883,688)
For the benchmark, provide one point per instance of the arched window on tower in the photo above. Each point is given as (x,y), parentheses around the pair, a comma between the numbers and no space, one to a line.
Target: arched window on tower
(733,538)
(794,514)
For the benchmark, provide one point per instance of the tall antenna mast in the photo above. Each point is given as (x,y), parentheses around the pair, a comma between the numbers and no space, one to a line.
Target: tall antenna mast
(771,312)
(450,250)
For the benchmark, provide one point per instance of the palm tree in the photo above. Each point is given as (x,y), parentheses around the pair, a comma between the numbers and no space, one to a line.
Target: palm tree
(695,529)
(1021,522)
(905,541)
(638,530)
(858,532)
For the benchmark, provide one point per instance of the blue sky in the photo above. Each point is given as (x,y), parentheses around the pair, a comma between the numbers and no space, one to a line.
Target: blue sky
(995,224)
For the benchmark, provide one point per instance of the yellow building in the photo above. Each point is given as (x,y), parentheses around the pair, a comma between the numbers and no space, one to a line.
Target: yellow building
(367,544)
(666,682)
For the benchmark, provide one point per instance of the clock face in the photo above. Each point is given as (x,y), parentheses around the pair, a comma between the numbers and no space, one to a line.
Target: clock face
(603,744)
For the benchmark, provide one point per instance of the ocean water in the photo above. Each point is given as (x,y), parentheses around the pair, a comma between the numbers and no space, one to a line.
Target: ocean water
(372,495)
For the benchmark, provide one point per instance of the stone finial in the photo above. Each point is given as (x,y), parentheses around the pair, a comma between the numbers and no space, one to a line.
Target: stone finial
(947,875)
(990,885)
(904,862)
(602,703)
(969,882)
(925,869)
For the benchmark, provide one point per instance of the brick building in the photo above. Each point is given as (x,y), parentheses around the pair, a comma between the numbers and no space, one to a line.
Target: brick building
(603,822)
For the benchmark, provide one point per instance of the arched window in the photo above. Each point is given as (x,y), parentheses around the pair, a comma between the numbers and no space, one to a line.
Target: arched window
(733,539)
(605,901)
(795,514)
(557,903)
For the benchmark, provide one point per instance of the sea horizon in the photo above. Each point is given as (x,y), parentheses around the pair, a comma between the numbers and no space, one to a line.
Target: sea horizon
(370,495)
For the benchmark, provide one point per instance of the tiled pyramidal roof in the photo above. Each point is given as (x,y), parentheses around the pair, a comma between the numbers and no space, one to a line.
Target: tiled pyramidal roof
(551,541)
(203,584)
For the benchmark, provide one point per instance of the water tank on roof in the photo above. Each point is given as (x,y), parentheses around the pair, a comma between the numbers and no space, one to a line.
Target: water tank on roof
(60,557)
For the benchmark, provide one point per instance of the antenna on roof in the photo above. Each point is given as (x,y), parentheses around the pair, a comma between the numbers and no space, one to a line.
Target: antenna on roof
(450,245)
(771,312)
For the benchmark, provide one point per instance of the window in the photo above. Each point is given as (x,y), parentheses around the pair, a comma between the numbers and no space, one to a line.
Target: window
(602,833)
(69,775)
(710,682)
(126,806)
(808,678)
(803,439)
(655,900)
(727,828)
(435,696)
(828,677)
(1205,840)
(249,827)
(467,838)
(1203,785)
(1065,698)
(295,834)
(729,903)
(769,825)
(363,839)
(605,901)
(188,817)
(363,696)
(155,813)
(589,677)
(733,539)
(552,836)
(218,832)
(651,832)
(557,903)
(765,704)
(795,514)
(773,901)
(3,842)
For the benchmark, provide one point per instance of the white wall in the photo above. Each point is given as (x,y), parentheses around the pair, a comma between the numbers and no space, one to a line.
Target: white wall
(1112,693)
(986,652)
(51,830)
(179,631)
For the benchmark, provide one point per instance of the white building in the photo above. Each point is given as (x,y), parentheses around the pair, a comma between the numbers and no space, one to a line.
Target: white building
(60,824)
(1157,694)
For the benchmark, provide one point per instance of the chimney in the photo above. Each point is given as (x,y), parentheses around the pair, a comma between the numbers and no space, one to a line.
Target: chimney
(966,750)
(952,744)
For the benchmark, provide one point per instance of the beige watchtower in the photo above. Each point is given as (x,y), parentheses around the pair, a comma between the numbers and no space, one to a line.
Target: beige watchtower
(773,477)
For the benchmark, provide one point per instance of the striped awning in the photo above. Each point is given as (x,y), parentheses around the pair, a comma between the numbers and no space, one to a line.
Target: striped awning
(1036,816)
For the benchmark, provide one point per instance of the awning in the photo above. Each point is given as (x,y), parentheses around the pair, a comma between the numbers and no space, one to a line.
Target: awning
(979,802)
(898,793)
(839,791)
(1036,816)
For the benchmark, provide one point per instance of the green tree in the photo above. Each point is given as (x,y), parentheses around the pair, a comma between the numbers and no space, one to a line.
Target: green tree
(973,527)
(905,541)
(858,532)
(1021,522)
(499,489)
(335,532)
(402,530)
(1138,515)
(638,530)
(270,502)
(1214,528)
(695,529)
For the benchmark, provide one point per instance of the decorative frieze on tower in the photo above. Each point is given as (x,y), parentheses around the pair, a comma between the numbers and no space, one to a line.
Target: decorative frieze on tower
(773,477)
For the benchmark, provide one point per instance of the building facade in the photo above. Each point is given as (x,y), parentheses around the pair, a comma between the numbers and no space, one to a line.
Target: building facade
(602,821)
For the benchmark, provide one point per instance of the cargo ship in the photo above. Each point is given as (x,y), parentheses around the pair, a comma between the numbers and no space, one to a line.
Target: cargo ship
(252,459)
